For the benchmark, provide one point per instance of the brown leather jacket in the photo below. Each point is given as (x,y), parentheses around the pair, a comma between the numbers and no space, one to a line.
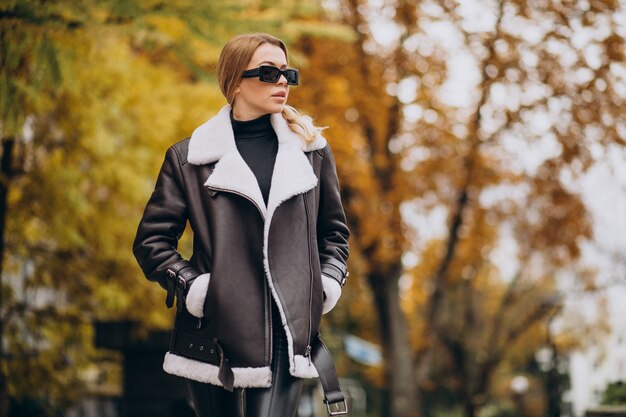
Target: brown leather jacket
(244,253)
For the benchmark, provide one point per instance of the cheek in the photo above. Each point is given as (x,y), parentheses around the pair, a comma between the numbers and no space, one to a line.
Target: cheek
(258,90)
(254,91)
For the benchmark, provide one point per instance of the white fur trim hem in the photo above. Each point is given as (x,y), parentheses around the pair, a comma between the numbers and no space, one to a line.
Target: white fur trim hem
(205,372)
(197,294)
(303,368)
(332,290)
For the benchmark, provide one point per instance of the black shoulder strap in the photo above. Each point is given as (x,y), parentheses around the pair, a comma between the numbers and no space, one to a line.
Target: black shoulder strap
(333,397)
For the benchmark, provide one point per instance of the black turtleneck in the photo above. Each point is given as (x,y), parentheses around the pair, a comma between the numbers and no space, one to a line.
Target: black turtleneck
(257,143)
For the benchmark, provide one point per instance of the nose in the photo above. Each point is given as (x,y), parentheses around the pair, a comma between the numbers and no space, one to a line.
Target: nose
(282,80)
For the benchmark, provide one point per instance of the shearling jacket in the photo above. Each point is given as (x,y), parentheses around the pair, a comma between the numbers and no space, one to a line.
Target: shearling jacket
(245,254)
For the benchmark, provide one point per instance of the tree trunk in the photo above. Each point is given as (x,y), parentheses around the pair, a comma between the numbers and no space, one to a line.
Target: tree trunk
(468,408)
(554,389)
(400,375)
(5,177)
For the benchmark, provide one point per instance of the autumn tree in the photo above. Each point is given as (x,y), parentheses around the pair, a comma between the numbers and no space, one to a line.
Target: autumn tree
(351,98)
(543,76)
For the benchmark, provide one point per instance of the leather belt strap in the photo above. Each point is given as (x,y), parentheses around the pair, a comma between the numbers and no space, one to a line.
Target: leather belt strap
(169,299)
(336,270)
(209,351)
(225,374)
(179,277)
(333,397)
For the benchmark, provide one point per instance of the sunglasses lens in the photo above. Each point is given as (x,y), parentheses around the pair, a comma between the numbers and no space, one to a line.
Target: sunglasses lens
(292,76)
(270,74)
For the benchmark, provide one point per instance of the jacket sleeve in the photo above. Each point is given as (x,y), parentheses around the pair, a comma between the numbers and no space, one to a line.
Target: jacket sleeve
(163,222)
(332,230)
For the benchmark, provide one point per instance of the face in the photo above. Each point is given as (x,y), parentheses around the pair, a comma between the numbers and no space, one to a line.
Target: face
(253,97)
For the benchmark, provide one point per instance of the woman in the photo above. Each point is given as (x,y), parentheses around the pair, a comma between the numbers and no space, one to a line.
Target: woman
(258,185)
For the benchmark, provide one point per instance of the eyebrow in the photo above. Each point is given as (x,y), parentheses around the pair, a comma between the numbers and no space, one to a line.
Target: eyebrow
(274,64)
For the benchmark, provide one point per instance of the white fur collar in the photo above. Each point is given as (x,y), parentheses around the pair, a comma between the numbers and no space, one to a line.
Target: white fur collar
(215,138)
(293,174)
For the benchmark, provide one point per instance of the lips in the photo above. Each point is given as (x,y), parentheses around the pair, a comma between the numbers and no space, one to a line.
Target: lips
(280,94)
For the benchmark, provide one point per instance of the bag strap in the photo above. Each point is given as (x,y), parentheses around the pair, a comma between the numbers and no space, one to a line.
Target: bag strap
(323,362)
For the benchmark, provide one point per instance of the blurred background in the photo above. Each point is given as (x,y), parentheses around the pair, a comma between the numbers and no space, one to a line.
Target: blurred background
(481,154)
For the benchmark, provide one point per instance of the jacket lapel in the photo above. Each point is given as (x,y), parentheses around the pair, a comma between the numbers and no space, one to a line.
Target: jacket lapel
(215,141)
(293,174)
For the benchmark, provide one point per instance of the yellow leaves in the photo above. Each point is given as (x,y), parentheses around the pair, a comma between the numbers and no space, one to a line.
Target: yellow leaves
(171,28)
(340,91)
(326,31)
(204,53)
(112,297)
(109,131)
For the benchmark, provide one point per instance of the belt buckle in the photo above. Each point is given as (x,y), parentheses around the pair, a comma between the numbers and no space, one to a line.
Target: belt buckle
(339,410)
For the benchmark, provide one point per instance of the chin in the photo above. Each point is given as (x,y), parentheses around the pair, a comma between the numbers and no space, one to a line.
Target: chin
(276,109)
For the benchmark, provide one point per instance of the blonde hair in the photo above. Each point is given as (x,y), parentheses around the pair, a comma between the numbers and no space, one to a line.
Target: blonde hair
(234,59)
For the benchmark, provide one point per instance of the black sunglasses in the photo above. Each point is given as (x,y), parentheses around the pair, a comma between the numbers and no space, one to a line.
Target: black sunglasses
(270,74)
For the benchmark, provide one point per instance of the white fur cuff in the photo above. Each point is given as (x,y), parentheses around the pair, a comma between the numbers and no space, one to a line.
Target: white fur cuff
(332,290)
(205,372)
(197,294)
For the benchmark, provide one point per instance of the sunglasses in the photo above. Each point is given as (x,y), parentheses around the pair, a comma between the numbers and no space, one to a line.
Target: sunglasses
(270,74)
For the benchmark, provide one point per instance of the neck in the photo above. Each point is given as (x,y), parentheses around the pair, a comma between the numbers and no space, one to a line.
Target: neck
(243,116)
(244,113)
(255,128)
